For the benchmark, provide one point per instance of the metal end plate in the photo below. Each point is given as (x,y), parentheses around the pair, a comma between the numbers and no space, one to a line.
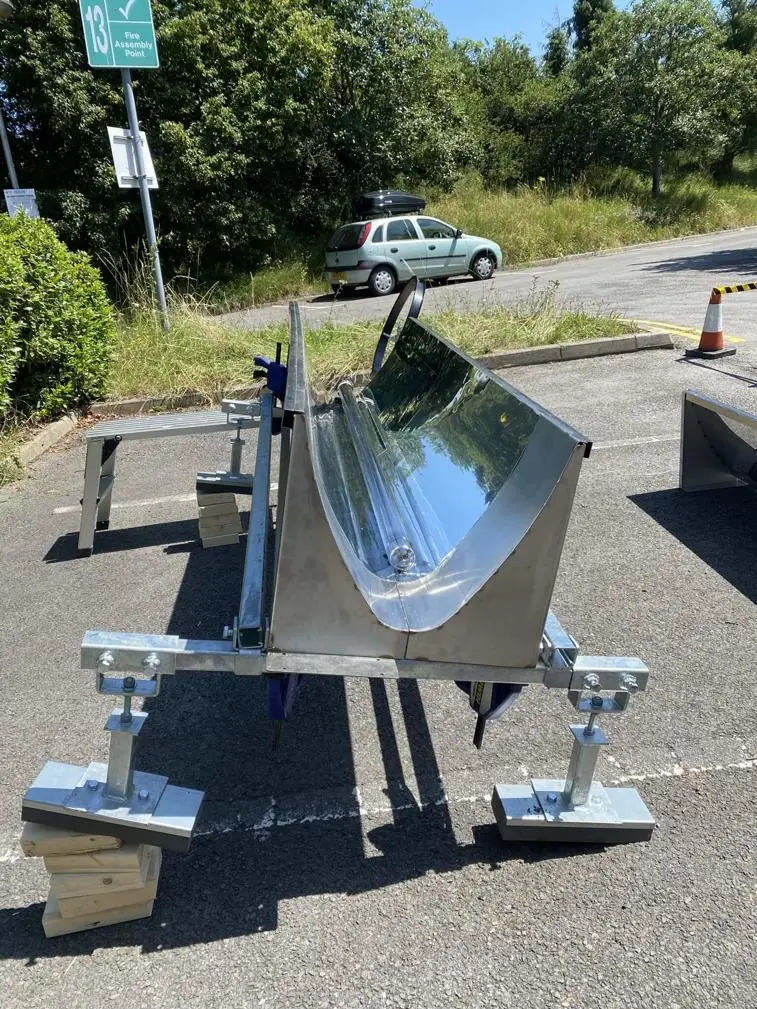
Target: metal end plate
(72,797)
(617,816)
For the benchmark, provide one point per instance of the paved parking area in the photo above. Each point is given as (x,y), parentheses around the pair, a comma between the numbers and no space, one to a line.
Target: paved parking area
(358,865)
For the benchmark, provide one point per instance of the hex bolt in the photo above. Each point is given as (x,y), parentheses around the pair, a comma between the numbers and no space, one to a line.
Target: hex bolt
(93,785)
(143,795)
(591,681)
(552,797)
(128,684)
(105,660)
(596,702)
(629,682)
(151,661)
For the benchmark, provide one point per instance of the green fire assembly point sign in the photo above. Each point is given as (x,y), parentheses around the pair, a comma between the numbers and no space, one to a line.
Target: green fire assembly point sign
(119,33)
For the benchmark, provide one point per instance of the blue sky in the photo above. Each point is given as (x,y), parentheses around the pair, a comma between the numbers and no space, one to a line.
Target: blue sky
(489,19)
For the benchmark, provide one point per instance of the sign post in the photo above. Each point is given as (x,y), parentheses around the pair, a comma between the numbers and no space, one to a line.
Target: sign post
(124,37)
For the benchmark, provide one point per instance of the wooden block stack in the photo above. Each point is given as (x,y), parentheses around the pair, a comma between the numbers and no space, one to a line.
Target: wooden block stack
(220,524)
(95,880)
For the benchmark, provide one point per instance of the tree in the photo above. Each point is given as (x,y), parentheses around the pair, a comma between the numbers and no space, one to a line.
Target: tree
(587,15)
(738,18)
(556,52)
(265,120)
(656,80)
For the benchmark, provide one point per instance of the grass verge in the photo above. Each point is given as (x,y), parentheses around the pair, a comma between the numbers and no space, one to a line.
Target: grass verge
(205,356)
(11,438)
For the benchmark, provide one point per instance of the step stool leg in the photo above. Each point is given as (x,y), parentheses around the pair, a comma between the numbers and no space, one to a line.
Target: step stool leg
(107,479)
(89,500)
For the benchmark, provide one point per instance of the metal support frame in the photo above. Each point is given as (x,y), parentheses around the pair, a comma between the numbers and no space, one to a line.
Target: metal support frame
(576,808)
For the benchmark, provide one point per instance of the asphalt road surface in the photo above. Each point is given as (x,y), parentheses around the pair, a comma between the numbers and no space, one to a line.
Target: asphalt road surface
(358,865)
(663,284)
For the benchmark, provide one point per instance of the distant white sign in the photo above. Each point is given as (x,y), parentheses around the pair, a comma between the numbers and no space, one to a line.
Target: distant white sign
(21,201)
(125,162)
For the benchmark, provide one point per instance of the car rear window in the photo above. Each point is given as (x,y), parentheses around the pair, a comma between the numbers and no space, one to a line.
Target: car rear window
(346,238)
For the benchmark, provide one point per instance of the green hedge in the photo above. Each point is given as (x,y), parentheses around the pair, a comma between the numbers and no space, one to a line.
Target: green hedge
(56,323)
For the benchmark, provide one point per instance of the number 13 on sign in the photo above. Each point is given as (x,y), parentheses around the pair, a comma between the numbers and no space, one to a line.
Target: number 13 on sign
(97,40)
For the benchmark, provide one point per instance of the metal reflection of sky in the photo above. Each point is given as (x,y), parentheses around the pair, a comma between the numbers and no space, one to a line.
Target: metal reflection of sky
(454,493)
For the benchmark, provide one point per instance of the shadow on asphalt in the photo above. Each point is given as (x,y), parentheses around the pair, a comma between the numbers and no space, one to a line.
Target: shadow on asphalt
(209,731)
(730,260)
(718,526)
(108,541)
(177,537)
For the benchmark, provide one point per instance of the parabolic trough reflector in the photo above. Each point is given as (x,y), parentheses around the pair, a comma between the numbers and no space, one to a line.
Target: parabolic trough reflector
(424,514)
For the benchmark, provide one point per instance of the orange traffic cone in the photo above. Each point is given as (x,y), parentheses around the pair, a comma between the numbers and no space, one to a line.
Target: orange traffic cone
(711,341)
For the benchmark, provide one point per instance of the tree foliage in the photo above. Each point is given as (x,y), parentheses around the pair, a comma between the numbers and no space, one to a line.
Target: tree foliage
(267,117)
(57,323)
(587,16)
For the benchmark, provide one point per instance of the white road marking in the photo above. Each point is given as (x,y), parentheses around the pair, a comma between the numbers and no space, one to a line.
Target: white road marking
(266,814)
(147,503)
(297,810)
(632,442)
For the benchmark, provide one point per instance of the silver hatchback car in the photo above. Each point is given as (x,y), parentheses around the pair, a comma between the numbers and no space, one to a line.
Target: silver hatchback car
(384,252)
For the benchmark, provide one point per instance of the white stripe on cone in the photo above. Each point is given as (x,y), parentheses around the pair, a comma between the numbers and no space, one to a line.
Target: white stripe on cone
(713,319)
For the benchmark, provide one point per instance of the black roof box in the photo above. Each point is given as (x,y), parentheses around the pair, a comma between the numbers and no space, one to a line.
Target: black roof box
(387,202)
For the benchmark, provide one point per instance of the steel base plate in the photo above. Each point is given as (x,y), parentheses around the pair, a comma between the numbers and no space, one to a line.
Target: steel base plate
(71,797)
(539,812)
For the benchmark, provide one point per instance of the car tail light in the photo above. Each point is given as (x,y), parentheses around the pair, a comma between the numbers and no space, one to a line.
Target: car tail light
(364,234)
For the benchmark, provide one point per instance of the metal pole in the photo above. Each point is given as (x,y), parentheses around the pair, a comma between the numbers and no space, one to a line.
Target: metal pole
(7,152)
(144,192)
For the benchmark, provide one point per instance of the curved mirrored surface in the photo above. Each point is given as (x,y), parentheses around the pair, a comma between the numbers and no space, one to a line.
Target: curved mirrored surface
(431,475)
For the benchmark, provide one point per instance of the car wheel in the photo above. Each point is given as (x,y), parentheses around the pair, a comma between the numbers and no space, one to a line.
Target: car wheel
(382,281)
(483,266)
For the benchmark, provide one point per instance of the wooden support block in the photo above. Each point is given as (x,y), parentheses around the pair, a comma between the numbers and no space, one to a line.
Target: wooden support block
(212,510)
(95,904)
(81,884)
(127,858)
(38,841)
(203,498)
(219,541)
(55,924)
(221,525)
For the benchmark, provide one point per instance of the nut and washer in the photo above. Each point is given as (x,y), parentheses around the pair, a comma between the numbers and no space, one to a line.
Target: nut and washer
(591,681)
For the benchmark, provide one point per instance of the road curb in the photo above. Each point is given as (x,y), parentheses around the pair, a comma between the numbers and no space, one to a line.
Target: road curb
(49,436)
(581,349)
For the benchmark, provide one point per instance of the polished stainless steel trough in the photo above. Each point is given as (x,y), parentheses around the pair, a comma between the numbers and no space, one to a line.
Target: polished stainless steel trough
(439,491)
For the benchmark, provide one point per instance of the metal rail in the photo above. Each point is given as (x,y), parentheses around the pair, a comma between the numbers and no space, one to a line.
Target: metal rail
(251,627)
